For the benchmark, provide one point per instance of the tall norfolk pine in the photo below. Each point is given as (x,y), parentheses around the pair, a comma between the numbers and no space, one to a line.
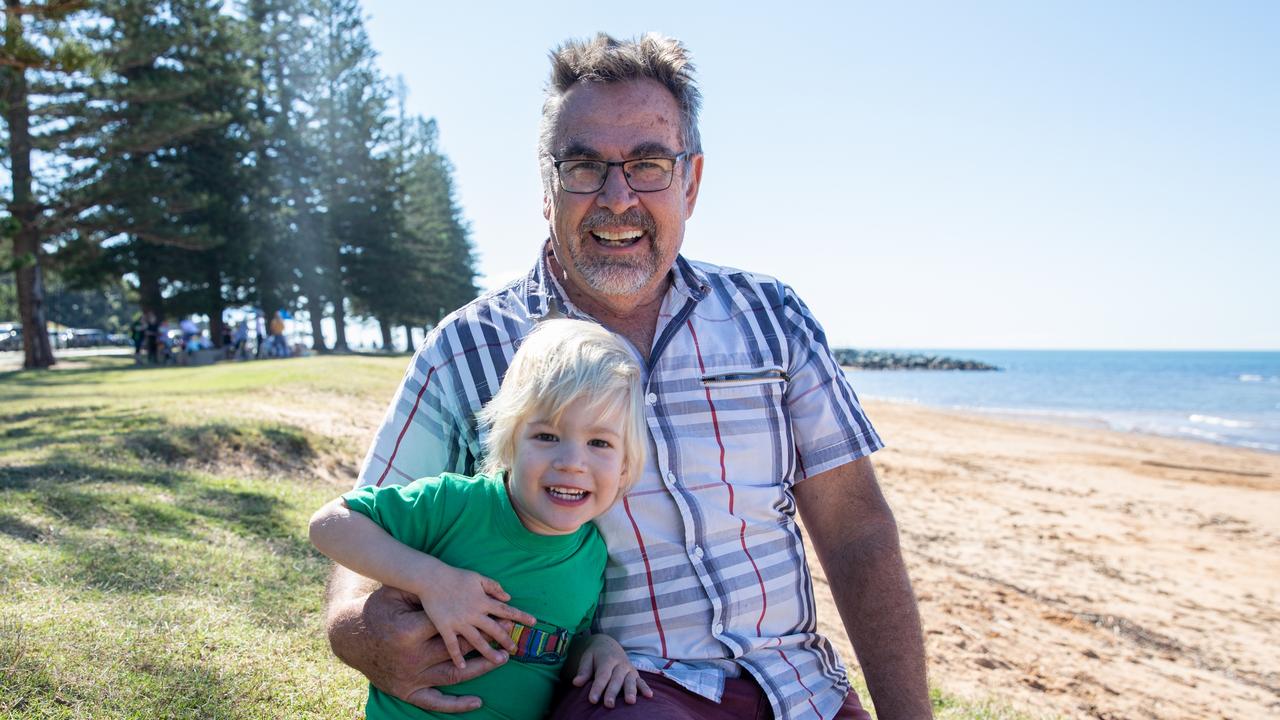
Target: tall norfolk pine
(35,41)
(220,158)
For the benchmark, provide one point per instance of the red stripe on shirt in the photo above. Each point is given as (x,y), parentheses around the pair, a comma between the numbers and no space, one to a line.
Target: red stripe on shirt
(742,530)
(404,429)
(801,681)
(648,575)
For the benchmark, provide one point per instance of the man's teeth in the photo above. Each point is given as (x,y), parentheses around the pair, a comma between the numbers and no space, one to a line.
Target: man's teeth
(567,493)
(618,239)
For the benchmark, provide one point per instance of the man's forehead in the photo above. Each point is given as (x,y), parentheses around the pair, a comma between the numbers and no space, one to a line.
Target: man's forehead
(634,118)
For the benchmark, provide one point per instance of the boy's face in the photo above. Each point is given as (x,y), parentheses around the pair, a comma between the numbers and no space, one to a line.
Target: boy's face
(566,471)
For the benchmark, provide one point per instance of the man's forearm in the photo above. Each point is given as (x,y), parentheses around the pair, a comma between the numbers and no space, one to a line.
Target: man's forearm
(856,539)
(345,595)
(873,593)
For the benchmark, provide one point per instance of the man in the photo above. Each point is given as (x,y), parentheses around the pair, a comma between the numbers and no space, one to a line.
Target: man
(750,418)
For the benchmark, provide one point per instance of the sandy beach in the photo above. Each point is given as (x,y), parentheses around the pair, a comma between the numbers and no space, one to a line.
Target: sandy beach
(1067,571)
(1087,573)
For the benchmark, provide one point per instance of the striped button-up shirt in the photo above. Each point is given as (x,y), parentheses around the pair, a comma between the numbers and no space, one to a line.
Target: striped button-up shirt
(707,574)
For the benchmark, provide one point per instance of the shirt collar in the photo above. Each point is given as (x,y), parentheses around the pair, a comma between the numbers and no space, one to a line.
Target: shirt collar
(544,294)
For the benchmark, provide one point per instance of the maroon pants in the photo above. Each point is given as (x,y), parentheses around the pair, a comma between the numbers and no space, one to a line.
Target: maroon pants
(742,700)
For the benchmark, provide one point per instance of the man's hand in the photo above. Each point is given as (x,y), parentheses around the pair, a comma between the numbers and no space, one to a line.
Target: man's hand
(856,538)
(386,636)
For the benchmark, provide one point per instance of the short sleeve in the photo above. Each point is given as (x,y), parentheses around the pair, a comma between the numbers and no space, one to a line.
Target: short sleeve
(422,432)
(829,424)
(413,514)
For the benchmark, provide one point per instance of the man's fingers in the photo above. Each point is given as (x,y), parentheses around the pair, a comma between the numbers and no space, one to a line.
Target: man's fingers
(493,589)
(642,686)
(435,701)
(446,673)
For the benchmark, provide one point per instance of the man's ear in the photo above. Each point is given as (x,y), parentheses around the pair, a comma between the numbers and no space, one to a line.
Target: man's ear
(546,206)
(693,180)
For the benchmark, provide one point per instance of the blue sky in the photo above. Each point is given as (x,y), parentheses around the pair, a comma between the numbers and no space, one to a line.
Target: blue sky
(965,175)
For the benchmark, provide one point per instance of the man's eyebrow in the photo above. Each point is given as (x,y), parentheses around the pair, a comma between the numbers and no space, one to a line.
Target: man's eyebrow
(651,149)
(578,150)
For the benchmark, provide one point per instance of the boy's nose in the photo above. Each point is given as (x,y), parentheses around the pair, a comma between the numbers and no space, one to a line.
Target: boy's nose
(569,459)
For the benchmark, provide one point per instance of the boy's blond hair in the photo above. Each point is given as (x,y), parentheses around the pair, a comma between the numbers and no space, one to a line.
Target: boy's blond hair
(558,362)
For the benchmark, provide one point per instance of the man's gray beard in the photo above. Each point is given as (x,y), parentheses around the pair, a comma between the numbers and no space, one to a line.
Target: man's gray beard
(615,277)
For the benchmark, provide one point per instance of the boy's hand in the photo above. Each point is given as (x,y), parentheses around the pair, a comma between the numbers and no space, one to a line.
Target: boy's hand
(465,604)
(605,660)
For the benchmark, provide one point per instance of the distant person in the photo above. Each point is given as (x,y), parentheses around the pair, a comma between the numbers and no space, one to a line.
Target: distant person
(751,421)
(151,337)
(189,330)
(564,440)
(276,343)
(240,340)
(138,333)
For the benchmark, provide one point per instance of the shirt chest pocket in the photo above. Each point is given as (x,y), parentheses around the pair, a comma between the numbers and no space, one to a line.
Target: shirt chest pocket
(744,378)
(746,400)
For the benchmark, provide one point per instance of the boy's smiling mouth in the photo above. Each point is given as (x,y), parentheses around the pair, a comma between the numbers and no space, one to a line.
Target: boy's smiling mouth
(564,495)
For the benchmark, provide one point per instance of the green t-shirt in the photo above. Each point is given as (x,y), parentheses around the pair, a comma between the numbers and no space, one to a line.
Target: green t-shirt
(469,523)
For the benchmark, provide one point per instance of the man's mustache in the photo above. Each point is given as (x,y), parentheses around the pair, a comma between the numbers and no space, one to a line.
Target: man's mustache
(633,217)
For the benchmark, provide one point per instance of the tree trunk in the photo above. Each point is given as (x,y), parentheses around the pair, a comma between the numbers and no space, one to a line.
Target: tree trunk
(340,324)
(387,343)
(216,303)
(408,337)
(149,296)
(315,309)
(26,241)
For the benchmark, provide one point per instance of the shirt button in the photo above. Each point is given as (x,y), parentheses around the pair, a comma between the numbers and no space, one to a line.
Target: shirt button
(651,398)
(697,551)
(671,477)
(718,629)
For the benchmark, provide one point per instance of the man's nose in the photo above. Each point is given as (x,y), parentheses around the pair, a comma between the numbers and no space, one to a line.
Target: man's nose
(616,195)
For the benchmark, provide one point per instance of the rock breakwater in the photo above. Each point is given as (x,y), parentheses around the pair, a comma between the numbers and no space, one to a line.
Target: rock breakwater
(881,360)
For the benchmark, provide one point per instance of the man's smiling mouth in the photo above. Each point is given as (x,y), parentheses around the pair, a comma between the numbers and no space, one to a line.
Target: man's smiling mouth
(617,239)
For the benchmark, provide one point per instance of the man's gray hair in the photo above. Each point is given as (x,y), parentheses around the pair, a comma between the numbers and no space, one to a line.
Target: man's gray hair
(604,59)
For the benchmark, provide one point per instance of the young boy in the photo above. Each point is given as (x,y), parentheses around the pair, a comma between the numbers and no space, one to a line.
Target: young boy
(564,439)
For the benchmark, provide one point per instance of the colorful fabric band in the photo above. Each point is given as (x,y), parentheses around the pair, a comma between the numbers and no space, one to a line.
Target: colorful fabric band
(539,646)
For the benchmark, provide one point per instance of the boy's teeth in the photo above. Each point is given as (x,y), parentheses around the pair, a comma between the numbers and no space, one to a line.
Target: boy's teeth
(567,493)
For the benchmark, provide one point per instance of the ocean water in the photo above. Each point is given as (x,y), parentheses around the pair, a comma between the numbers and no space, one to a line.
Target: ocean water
(1232,398)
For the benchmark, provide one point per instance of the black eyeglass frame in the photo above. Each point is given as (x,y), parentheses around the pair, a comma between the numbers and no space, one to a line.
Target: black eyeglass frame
(609,165)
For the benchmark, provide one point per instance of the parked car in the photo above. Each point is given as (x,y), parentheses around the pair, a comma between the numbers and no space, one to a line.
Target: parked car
(10,336)
(87,337)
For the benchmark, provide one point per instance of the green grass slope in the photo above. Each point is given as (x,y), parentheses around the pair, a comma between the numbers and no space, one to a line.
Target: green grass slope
(153,552)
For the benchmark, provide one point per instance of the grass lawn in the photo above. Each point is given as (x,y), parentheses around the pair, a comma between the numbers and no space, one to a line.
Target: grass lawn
(153,552)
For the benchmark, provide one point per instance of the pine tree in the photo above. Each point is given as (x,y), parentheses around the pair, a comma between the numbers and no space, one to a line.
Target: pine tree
(37,41)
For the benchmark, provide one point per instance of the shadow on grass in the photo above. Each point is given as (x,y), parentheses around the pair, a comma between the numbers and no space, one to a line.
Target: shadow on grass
(59,473)
(148,683)
(19,529)
(97,433)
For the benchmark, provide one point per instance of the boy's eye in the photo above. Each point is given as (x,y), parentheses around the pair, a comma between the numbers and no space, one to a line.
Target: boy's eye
(545,437)
(597,442)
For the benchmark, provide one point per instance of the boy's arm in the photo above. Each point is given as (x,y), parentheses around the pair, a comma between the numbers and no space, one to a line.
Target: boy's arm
(356,542)
(459,602)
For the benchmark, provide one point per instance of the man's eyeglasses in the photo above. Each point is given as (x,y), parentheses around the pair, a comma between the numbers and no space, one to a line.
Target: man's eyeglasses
(648,174)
